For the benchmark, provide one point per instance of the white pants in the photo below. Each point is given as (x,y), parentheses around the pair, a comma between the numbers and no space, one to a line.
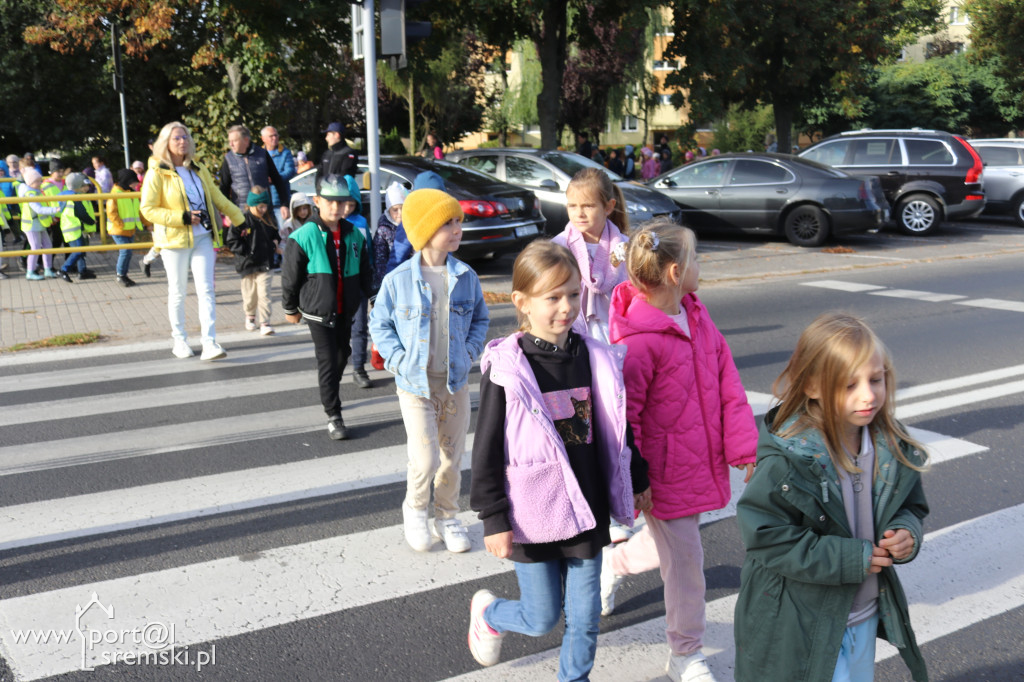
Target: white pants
(436,429)
(201,258)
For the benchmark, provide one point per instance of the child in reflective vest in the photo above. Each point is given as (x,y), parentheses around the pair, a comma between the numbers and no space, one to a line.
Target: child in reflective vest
(77,219)
(124,219)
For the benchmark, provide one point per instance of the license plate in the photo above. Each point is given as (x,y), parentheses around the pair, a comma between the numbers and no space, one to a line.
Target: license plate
(526,231)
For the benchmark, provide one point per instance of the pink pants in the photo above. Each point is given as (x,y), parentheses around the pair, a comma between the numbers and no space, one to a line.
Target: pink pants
(676,543)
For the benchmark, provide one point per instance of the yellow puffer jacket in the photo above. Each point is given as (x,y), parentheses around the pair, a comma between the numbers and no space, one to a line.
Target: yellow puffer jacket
(165,204)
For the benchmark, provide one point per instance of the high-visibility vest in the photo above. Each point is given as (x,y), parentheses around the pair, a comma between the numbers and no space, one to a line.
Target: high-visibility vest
(50,189)
(71,226)
(28,216)
(128,210)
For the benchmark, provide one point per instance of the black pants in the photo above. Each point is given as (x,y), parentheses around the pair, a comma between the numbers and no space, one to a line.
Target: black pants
(332,351)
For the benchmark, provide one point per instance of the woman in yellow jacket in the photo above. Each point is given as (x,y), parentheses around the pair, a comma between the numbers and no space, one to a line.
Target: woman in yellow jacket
(180,197)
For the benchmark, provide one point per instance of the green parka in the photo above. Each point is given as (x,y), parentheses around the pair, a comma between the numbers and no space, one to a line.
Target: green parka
(803,565)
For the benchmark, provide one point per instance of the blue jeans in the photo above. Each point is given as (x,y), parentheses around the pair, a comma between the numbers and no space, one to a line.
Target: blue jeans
(124,257)
(547,590)
(857,653)
(76,259)
(359,336)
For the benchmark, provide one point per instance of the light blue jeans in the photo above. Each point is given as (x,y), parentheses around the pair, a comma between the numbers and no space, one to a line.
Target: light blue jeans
(124,256)
(857,654)
(547,590)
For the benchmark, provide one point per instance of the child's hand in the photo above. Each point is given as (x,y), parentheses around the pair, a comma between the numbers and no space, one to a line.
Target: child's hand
(642,501)
(879,559)
(750,470)
(899,543)
(499,544)
(294,318)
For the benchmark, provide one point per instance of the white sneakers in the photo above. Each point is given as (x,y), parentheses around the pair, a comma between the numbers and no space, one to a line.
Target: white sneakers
(266,330)
(484,642)
(692,668)
(620,533)
(182,349)
(452,533)
(250,324)
(609,582)
(416,532)
(212,351)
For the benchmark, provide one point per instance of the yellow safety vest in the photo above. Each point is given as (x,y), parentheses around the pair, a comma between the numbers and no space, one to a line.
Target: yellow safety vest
(28,216)
(71,226)
(128,210)
(49,189)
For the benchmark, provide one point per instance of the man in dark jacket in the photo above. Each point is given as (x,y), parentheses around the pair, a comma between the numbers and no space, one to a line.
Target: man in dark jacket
(246,166)
(325,275)
(339,159)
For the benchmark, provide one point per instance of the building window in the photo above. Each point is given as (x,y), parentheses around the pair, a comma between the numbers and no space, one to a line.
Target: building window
(957,15)
(665,65)
(630,124)
(665,100)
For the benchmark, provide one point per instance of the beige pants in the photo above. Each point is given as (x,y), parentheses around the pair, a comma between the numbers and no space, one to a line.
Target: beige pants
(436,431)
(256,294)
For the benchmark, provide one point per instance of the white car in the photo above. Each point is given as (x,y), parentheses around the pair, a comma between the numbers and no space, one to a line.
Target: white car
(1004,175)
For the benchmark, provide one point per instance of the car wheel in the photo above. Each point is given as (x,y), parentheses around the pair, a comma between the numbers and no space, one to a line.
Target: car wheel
(1018,210)
(806,226)
(917,214)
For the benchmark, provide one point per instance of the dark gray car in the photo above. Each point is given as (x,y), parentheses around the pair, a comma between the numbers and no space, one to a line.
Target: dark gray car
(547,174)
(1004,175)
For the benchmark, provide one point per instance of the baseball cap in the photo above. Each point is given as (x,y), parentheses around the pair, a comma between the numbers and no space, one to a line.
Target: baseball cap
(335,188)
(334,127)
(75,181)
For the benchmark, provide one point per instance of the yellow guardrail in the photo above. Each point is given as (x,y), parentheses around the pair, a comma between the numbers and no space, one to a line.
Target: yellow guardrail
(101,219)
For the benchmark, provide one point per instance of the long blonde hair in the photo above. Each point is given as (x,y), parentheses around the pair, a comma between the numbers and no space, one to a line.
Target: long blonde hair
(596,180)
(827,354)
(541,266)
(654,248)
(164,138)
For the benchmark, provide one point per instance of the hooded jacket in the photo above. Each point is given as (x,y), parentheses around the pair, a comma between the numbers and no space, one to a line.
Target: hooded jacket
(298,199)
(253,243)
(165,204)
(687,406)
(803,566)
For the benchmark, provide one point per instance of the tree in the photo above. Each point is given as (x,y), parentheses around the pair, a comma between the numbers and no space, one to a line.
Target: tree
(786,53)
(997,34)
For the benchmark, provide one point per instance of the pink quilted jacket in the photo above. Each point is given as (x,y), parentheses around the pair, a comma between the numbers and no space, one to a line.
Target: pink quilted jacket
(685,402)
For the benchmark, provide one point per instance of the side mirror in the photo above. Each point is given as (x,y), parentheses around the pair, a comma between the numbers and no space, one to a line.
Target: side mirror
(548,184)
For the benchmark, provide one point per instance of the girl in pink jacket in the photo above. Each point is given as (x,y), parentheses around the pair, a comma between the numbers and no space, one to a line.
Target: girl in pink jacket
(690,417)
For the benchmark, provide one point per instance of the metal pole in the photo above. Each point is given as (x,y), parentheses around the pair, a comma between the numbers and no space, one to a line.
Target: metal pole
(119,88)
(372,125)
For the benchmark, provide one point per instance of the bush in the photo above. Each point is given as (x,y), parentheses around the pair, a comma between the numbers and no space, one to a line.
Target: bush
(392,143)
(743,129)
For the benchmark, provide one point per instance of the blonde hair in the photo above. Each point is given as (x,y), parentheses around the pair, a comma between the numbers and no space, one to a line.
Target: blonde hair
(164,138)
(541,266)
(828,352)
(597,181)
(654,248)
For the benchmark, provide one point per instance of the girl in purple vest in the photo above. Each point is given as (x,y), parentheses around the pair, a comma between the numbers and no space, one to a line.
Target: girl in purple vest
(552,459)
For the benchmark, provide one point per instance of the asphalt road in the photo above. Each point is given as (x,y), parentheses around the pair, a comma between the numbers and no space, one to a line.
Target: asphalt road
(208,499)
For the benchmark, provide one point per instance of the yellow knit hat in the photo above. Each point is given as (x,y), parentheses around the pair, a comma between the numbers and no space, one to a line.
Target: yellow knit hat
(424,212)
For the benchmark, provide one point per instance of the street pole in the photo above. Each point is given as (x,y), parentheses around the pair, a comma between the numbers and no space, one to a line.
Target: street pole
(372,125)
(119,88)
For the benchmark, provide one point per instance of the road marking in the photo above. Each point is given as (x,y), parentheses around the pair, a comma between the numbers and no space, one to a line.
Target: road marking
(958,382)
(955,562)
(917,295)
(906,411)
(995,304)
(838,285)
(931,297)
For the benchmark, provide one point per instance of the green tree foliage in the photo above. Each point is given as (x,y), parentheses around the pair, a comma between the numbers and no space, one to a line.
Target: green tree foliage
(997,33)
(786,53)
(741,130)
(950,93)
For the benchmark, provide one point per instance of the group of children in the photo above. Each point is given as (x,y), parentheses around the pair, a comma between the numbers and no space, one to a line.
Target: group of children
(619,395)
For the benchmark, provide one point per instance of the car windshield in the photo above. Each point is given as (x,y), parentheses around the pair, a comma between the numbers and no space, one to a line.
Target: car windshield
(570,164)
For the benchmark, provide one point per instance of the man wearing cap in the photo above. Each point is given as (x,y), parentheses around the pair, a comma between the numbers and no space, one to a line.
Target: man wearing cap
(246,166)
(339,159)
(325,275)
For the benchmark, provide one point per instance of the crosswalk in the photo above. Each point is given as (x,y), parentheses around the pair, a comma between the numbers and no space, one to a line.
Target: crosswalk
(163,517)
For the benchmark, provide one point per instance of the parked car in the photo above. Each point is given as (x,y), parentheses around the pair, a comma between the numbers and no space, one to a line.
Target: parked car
(548,173)
(774,193)
(499,217)
(927,175)
(1004,175)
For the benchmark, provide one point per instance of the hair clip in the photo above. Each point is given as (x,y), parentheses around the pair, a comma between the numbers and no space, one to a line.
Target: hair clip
(655,242)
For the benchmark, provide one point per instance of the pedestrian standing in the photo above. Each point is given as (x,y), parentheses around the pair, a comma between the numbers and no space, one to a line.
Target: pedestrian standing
(429,323)
(254,244)
(246,165)
(77,220)
(835,502)
(285,164)
(339,159)
(32,214)
(552,458)
(124,220)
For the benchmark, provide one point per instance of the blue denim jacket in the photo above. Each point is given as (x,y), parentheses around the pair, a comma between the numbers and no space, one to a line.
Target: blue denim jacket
(400,324)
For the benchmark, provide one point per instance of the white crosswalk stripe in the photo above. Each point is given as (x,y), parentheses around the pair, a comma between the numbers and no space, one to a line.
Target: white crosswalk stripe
(205,600)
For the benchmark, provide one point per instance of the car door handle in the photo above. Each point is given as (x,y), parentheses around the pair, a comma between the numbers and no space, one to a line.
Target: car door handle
(893,174)
(782,191)
(711,191)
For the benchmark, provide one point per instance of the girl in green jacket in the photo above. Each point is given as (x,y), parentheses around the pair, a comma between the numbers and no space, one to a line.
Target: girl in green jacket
(836,500)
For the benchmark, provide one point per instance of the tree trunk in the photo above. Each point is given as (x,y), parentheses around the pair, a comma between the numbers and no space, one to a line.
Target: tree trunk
(503,132)
(783,110)
(551,49)
(412,118)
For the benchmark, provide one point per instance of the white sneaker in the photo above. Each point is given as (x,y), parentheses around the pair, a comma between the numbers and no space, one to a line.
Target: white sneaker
(620,533)
(250,324)
(182,349)
(484,642)
(416,532)
(266,330)
(212,351)
(692,668)
(452,533)
(609,582)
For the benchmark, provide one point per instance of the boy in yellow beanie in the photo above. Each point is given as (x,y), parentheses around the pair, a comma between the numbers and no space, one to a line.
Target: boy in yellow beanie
(429,323)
